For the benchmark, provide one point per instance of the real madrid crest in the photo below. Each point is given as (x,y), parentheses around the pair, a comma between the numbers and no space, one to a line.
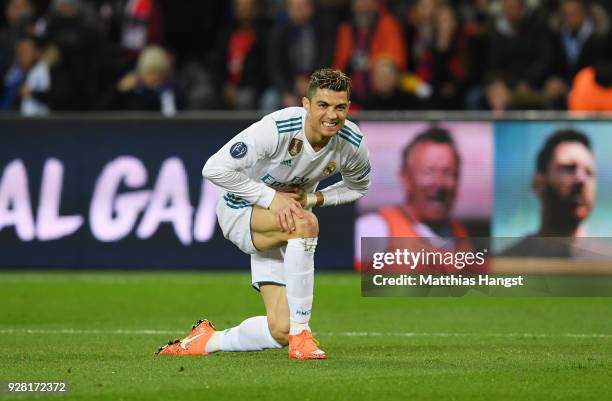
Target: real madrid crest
(330,168)
(295,146)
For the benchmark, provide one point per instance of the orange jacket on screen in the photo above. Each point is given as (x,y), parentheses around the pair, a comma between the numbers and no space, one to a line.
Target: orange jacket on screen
(387,41)
(401,227)
(587,94)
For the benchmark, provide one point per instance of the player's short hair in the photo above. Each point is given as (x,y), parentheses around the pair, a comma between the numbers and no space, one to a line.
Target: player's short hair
(432,134)
(558,137)
(328,78)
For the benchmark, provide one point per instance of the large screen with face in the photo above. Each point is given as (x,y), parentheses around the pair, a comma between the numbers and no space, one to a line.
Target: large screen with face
(511,181)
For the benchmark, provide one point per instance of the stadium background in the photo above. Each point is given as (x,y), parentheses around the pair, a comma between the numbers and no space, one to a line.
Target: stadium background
(170,56)
(103,192)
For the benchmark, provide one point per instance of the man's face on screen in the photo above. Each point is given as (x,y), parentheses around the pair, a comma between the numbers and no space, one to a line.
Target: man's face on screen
(431,180)
(570,182)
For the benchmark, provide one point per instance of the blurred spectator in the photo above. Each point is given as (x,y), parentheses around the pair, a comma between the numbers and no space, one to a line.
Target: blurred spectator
(519,56)
(148,88)
(520,48)
(34,92)
(20,20)
(592,89)
(141,25)
(386,93)
(478,27)
(370,34)
(480,54)
(110,58)
(194,60)
(109,16)
(436,43)
(74,76)
(190,28)
(497,95)
(419,36)
(442,65)
(297,46)
(11,83)
(240,58)
(27,82)
(195,82)
(580,34)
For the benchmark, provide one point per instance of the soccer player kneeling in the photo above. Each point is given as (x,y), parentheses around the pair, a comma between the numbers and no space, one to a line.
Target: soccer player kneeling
(269,174)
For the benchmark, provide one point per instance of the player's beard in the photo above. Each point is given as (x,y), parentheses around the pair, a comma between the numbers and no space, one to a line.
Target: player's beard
(443,200)
(565,210)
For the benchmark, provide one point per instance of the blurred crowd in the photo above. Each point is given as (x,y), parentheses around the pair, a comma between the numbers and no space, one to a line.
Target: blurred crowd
(169,55)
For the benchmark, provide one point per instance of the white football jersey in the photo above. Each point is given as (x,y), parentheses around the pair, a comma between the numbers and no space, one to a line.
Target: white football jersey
(274,154)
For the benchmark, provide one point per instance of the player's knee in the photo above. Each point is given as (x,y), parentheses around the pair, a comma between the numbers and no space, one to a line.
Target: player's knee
(307,226)
(279,330)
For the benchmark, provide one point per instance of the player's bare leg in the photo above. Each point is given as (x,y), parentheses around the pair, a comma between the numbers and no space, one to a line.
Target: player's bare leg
(287,308)
(301,241)
(277,310)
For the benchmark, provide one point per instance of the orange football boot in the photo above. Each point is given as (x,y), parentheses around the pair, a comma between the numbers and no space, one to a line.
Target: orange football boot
(193,344)
(304,346)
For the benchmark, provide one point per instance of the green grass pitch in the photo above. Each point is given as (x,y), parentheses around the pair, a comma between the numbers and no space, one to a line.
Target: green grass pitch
(99,330)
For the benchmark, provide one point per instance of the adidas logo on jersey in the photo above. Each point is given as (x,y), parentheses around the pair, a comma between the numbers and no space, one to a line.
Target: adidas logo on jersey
(287,162)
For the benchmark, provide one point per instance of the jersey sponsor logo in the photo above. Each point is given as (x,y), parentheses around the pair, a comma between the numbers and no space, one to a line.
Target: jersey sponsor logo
(287,162)
(272,182)
(330,168)
(297,180)
(295,147)
(239,150)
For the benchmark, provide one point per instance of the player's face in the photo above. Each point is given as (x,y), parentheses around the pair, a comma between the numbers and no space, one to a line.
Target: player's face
(326,112)
(570,182)
(431,179)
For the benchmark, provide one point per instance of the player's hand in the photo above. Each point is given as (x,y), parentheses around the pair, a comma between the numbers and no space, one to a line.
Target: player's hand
(298,194)
(284,208)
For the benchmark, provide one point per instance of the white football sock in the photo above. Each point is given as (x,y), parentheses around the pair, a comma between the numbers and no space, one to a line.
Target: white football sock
(252,334)
(299,274)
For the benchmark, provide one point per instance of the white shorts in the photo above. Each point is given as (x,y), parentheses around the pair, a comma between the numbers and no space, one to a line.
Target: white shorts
(234,216)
